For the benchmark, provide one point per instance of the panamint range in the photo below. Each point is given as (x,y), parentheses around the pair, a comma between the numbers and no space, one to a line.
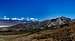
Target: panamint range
(7,22)
(14,18)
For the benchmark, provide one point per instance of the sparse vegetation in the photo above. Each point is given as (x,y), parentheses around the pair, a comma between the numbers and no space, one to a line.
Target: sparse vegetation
(50,30)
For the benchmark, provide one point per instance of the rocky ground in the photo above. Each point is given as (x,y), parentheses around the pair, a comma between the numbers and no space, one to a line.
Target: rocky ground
(62,34)
(59,29)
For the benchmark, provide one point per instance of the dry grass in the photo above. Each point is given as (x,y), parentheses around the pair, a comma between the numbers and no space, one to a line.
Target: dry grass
(45,35)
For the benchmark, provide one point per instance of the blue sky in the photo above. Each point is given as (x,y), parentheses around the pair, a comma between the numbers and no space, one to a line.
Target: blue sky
(37,8)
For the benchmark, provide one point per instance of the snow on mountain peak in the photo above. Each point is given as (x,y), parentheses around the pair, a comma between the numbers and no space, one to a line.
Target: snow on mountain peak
(20,19)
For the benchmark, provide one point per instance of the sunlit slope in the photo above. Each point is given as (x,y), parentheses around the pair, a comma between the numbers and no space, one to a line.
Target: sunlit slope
(44,35)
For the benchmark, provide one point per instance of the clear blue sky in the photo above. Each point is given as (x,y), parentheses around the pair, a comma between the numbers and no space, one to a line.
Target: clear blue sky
(37,8)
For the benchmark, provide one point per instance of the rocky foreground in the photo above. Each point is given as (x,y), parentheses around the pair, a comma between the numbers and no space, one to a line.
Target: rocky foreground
(58,29)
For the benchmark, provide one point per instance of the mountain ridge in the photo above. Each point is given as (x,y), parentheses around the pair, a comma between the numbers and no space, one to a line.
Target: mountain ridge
(39,25)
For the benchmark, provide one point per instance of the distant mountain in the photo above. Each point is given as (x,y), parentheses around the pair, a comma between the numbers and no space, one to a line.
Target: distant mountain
(31,25)
(54,23)
(8,22)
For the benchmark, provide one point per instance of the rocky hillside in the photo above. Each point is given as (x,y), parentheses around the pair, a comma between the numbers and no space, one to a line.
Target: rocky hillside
(32,26)
(66,33)
(58,29)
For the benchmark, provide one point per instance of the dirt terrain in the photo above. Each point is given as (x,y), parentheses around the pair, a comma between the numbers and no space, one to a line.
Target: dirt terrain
(59,29)
(61,34)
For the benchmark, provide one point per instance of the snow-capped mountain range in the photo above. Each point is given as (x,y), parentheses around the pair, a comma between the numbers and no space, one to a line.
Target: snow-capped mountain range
(30,24)
(20,19)
(7,22)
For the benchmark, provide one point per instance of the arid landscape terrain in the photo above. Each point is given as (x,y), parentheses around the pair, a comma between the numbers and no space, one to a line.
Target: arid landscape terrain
(58,29)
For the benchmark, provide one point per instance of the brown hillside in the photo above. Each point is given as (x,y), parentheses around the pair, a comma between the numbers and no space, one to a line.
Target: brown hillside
(67,33)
